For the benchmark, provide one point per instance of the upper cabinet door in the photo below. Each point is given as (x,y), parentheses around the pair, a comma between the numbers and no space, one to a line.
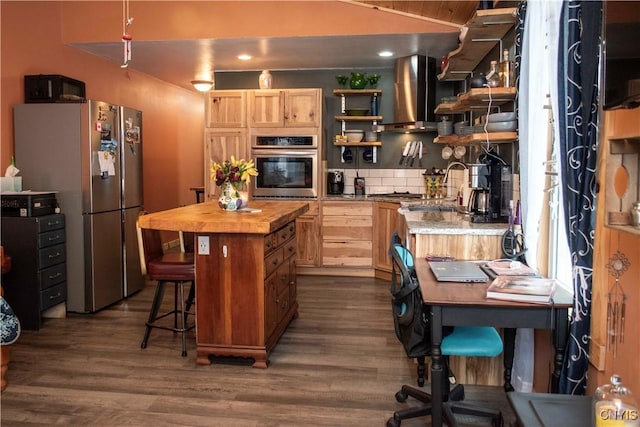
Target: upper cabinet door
(266,108)
(302,108)
(219,146)
(226,109)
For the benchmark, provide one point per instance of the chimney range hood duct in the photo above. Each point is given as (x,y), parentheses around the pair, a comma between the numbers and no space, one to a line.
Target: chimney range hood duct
(414,98)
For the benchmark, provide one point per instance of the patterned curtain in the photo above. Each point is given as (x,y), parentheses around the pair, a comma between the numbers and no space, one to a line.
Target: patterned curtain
(578,60)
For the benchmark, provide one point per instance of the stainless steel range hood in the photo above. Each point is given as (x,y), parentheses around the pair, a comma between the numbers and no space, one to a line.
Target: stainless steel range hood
(414,98)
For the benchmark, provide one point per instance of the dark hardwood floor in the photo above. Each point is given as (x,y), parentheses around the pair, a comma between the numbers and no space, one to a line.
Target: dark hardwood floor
(338,364)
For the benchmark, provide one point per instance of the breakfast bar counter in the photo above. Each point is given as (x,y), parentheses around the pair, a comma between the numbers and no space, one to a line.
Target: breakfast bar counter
(245,274)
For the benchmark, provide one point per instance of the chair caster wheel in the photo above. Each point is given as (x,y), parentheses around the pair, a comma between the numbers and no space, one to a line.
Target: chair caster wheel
(143,345)
(184,354)
(401,396)
(392,422)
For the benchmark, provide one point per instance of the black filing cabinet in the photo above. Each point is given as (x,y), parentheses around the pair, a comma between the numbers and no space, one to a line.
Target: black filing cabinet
(38,277)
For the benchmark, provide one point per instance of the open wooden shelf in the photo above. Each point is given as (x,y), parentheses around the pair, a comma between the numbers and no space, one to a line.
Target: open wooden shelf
(358,144)
(477,98)
(474,138)
(485,29)
(357,91)
(359,118)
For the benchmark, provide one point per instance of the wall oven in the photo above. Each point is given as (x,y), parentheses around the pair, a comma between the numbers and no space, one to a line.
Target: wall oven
(287,166)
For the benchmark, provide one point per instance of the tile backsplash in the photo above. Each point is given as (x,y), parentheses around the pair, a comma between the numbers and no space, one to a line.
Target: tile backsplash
(380,181)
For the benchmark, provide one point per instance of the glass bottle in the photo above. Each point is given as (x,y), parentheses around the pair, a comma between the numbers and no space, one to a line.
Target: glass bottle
(264,80)
(493,76)
(506,70)
(614,405)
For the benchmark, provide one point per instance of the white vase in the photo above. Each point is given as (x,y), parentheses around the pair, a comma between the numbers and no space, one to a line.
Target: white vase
(265,80)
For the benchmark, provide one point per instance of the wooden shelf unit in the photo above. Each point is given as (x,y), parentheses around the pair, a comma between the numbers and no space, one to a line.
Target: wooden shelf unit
(358,144)
(478,98)
(485,30)
(494,138)
(343,118)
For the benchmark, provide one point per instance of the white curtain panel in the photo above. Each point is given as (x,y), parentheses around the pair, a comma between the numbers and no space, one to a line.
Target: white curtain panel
(537,82)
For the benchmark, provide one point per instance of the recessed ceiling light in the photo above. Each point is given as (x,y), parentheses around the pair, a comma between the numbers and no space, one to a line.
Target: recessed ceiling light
(244,57)
(385,53)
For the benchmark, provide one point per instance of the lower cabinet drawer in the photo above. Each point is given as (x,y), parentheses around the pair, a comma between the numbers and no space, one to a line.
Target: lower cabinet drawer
(53,295)
(52,275)
(52,255)
(51,238)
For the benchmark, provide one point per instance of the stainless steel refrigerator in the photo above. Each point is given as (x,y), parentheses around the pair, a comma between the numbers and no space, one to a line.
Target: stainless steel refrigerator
(91,155)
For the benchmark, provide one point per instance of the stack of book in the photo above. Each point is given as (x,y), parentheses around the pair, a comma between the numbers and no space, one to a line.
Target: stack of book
(522,288)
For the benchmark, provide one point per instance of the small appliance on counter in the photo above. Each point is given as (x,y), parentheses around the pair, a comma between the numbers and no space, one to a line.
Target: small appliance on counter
(358,185)
(28,203)
(335,182)
(490,181)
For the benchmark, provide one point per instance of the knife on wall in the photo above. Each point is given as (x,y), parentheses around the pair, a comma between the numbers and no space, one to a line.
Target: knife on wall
(405,152)
(412,151)
(416,149)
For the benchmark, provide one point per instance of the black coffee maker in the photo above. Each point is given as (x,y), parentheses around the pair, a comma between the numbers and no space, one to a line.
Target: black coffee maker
(335,182)
(492,196)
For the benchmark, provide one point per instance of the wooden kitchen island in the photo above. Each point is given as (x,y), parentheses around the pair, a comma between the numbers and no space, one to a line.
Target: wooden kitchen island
(246,285)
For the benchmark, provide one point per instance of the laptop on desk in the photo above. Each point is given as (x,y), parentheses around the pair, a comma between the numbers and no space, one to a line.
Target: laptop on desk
(457,271)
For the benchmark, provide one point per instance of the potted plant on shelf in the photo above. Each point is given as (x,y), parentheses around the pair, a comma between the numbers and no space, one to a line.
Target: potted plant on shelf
(232,176)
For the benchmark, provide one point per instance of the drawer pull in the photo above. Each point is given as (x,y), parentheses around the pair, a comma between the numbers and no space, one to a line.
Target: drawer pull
(49,224)
(55,276)
(275,261)
(56,255)
(54,238)
(58,295)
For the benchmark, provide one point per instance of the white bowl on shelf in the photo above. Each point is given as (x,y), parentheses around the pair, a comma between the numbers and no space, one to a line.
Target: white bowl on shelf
(354,135)
(501,126)
(370,136)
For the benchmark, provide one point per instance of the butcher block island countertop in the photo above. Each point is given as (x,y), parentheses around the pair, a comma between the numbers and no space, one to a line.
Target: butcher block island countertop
(209,218)
(246,283)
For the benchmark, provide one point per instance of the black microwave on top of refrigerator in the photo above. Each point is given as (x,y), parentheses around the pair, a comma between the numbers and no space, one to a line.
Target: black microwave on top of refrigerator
(53,88)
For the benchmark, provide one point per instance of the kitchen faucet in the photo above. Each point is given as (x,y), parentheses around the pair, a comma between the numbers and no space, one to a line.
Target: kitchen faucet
(446,172)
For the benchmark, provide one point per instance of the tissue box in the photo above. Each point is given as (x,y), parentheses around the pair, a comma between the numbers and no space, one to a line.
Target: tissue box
(11,183)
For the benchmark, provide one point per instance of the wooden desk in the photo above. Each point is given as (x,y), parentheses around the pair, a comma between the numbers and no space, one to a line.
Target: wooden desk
(465,304)
(245,286)
(551,410)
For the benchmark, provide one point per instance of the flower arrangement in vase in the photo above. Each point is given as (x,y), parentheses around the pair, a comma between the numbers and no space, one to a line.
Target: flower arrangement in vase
(232,176)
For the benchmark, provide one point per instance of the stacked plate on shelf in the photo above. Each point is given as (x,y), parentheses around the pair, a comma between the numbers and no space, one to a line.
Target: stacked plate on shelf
(498,122)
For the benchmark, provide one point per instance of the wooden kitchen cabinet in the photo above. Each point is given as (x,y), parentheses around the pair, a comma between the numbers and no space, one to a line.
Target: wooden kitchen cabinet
(250,294)
(219,146)
(226,109)
(385,217)
(347,234)
(285,108)
(308,237)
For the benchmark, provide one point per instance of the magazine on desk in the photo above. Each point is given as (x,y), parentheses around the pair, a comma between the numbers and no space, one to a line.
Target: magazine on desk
(522,288)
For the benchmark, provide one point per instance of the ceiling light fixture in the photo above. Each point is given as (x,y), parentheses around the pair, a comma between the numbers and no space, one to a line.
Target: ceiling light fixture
(202,85)
(244,57)
(385,53)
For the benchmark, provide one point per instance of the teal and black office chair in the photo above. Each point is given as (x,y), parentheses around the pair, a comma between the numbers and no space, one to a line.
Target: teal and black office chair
(413,329)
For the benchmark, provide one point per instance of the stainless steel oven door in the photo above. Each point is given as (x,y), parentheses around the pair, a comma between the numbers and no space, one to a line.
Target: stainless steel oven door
(285,173)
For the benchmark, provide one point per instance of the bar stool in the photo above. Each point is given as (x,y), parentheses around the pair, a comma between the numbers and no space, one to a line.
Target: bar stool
(175,267)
